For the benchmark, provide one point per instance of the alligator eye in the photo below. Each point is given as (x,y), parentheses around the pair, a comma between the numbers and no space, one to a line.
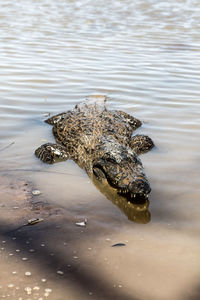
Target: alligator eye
(98,171)
(110,159)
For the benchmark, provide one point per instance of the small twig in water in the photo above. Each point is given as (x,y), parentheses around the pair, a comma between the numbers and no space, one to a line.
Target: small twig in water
(42,171)
(7,146)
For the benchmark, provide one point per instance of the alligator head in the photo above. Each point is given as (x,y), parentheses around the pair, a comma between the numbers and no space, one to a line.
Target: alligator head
(123,170)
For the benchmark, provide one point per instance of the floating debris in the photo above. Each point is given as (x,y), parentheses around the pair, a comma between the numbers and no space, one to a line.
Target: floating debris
(82,224)
(36,288)
(7,146)
(43,280)
(119,245)
(36,192)
(60,272)
(34,221)
(24,258)
(28,273)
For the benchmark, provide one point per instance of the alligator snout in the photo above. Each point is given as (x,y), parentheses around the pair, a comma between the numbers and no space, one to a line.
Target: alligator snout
(140,186)
(136,187)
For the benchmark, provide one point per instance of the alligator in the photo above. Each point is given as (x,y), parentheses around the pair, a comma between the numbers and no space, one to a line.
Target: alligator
(101,142)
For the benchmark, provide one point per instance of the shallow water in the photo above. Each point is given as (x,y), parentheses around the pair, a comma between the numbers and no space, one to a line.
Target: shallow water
(144,56)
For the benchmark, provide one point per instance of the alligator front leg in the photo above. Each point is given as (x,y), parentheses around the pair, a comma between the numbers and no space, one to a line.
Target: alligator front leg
(51,153)
(57,118)
(132,121)
(141,143)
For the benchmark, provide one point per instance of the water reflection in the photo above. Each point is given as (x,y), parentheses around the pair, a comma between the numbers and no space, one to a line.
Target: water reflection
(136,212)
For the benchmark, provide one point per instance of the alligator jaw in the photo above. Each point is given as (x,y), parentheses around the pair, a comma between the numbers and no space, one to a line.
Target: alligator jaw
(134,198)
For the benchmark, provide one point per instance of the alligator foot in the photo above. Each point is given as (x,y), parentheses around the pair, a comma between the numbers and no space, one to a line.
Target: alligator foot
(141,144)
(55,119)
(51,153)
(132,121)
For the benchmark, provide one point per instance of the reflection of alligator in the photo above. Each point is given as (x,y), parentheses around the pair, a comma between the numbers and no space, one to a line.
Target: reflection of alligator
(135,211)
(101,142)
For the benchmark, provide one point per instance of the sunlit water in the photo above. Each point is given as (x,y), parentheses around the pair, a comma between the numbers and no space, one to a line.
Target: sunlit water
(144,56)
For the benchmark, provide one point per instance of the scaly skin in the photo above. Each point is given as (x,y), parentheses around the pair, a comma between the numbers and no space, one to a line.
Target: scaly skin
(100,141)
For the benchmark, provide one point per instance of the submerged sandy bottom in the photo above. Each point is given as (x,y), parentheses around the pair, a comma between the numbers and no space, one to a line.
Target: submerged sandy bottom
(56,259)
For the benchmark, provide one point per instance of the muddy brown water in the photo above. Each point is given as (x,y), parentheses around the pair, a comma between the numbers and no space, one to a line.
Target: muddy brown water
(144,56)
